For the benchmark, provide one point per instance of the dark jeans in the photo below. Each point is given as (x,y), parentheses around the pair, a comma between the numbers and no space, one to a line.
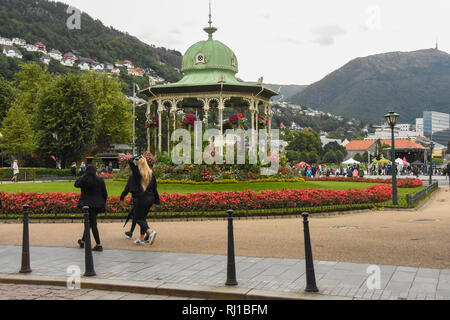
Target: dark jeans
(142,207)
(93,224)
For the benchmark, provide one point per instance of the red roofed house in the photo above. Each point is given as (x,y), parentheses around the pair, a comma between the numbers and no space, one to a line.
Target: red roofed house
(41,47)
(360,146)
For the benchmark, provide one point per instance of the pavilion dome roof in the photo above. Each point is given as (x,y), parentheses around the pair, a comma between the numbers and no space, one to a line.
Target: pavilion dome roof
(209,55)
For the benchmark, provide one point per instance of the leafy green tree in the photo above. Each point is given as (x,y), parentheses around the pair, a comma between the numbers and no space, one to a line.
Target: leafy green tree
(66,119)
(32,81)
(292,156)
(339,156)
(17,135)
(7,96)
(114,117)
(330,157)
(306,141)
(335,147)
(361,157)
(313,157)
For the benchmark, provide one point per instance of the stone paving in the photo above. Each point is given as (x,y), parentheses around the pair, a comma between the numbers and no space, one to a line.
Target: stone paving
(36,292)
(284,275)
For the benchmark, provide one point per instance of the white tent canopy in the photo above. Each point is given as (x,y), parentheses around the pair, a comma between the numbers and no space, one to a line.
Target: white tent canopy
(351,161)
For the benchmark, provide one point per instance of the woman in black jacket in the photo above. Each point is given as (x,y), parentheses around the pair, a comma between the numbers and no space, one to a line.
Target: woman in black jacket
(93,195)
(142,185)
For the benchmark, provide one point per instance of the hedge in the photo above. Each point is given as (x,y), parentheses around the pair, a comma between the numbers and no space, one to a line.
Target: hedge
(7,173)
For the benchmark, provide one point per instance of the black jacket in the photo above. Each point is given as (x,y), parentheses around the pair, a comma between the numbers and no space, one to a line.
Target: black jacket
(92,196)
(134,185)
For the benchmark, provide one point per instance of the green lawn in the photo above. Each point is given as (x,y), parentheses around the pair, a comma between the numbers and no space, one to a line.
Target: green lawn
(116,187)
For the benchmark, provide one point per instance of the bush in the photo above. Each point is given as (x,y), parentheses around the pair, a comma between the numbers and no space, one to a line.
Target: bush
(45,172)
(7,173)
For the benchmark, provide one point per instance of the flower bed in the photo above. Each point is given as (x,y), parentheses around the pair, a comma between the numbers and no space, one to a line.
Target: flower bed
(54,203)
(401,183)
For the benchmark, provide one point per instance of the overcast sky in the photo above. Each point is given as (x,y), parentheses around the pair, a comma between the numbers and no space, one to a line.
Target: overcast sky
(286,41)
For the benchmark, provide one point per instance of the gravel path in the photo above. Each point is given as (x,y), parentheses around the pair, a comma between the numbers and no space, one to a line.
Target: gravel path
(408,238)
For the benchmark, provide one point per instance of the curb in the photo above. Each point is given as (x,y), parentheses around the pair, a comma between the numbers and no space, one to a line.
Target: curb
(169,289)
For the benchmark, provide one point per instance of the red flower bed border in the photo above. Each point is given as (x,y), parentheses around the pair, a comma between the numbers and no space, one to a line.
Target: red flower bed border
(401,183)
(54,203)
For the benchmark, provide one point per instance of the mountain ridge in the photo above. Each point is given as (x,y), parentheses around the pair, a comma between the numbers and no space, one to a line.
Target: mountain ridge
(368,87)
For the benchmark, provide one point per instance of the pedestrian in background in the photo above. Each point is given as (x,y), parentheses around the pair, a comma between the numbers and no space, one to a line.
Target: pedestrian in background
(73,169)
(82,168)
(94,195)
(15,167)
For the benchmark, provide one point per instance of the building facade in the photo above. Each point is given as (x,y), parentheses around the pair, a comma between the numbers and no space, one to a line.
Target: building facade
(436,126)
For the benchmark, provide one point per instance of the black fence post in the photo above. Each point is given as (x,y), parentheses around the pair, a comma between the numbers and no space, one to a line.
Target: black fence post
(25,242)
(231,265)
(89,261)
(310,275)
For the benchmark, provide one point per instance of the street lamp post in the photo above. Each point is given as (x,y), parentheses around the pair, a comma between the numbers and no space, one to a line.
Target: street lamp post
(431,162)
(391,119)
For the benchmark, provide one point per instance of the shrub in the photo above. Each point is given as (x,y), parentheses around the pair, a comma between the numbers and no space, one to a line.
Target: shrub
(7,173)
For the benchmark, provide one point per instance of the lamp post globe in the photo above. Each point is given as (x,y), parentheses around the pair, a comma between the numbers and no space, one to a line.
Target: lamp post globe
(391,119)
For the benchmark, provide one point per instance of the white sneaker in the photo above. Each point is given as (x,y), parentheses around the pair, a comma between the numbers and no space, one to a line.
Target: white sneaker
(139,242)
(151,237)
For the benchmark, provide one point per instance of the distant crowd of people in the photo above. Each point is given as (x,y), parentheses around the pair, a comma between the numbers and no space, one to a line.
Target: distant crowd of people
(103,169)
(316,171)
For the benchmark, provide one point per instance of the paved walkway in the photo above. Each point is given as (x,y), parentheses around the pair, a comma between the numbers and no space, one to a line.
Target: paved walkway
(280,276)
(42,292)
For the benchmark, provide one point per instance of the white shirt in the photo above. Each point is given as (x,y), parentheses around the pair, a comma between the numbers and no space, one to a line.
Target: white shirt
(15,168)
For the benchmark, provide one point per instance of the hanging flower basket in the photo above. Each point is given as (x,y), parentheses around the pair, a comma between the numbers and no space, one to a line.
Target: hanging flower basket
(152,123)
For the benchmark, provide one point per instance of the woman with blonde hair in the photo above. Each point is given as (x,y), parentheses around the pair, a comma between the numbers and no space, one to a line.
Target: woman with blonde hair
(142,185)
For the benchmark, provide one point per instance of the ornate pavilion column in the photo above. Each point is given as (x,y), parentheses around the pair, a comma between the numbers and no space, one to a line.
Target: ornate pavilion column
(269,115)
(160,110)
(148,117)
(168,128)
(205,102)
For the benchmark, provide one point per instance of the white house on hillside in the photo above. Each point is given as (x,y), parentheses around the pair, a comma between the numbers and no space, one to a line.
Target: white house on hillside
(67,62)
(98,67)
(115,71)
(19,41)
(55,54)
(5,41)
(46,59)
(12,53)
(30,48)
(84,66)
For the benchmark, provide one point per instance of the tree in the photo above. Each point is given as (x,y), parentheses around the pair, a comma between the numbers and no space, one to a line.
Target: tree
(335,147)
(306,141)
(359,157)
(313,157)
(7,97)
(17,135)
(114,117)
(66,119)
(330,157)
(340,156)
(32,81)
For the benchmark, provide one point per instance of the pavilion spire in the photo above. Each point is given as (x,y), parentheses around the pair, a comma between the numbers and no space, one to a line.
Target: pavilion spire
(210,30)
